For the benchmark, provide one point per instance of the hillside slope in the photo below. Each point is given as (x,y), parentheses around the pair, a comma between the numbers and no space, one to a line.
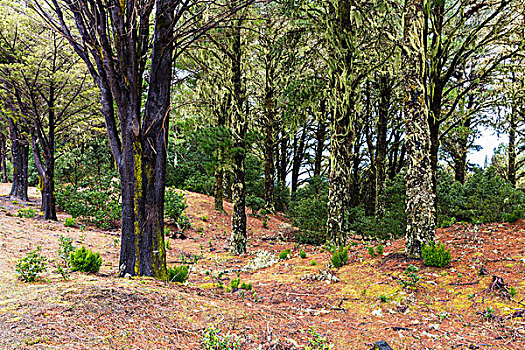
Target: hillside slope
(450,308)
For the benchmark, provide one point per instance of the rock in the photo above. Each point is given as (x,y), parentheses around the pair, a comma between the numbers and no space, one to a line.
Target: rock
(381,345)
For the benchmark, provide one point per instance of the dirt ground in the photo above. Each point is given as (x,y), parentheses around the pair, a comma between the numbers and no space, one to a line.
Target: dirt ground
(449,308)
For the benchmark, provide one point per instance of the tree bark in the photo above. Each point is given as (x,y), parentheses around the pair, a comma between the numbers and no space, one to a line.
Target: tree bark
(320,137)
(511,149)
(238,235)
(269,126)
(298,156)
(219,169)
(3,154)
(420,207)
(20,154)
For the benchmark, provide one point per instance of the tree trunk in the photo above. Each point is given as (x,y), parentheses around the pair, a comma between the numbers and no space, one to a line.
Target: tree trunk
(298,155)
(320,137)
(3,154)
(420,208)
(284,158)
(219,168)
(385,93)
(269,165)
(20,153)
(511,149)
(238,235)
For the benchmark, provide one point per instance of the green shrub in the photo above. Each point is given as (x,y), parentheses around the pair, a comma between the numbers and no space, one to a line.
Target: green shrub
(26,213)
(383,298)
(435,254)
(31,265)
(213,339)
(313,262)
(302,254)
(65,248)
(413,278)
(85,260)
(317,342)
(283,255)
(178,273)
(98,203)
(371,252)
(265,223)
(69,222)
(339,257)
(175,206)
(255,203)
(380,250)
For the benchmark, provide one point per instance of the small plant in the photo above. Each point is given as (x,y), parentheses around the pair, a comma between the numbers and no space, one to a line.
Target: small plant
(265,223)
(488,313)
(380,250)
(200,231)
(339,257)
(213,339)
(174,208)
(435,254)
(31,265)
(302,254)
(70,222)
(413,278)
(26,213)
(512,291)
(353,244)
(284,254)
(246,286)
(65,248)
(167,232)
(204,218)
(85,260)
(383,298)
(371,252)
(167,242)
(178,273)
(317,342)
(313,263)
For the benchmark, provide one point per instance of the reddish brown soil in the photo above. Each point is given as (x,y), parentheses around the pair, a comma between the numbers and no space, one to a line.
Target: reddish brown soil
(102,311)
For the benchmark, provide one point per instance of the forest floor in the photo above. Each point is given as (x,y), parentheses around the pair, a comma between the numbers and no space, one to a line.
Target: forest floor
(449,308)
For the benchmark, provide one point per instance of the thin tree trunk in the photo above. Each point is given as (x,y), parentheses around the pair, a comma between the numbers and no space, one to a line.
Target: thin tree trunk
(284,158)
(385,91)
(238,235)
(420,208)
(3,150)
(298,155)
(511,149)
(219,168)
(320,137)
(269,165)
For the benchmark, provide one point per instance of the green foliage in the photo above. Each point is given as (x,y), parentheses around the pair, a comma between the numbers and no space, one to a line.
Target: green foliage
(413,278)
(204,218)
(85,260)
(313,262)
(31,265)
(392,225)
(235,284)
(281,196)
(485,197)
(380,250)
(65,248)
(317,342)
(302,254)
(175,206)
(213,339)
(435,254)
(255,203)
(265,223)
(99,203)
(339,257)
(383,298)
(26,213)
(308,211)
(284,254)
(371,252)
(69,222)
(178,273)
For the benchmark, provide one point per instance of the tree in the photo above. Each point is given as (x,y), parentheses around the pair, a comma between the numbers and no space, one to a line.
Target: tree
(129,48)
(420,195)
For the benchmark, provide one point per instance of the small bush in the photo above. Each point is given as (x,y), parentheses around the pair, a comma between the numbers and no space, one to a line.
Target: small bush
(371,252)
(380,250)
(284,254)
(85,260)
(69,222)
(65,248)
(309,237)
(413,278)
(26,213)
(213,339)
(383,298)
(302,254)
(313,263)
(254,202)
(339,257)
(317,342)
(435,254)
(31,265)
(175,206)
(178,273)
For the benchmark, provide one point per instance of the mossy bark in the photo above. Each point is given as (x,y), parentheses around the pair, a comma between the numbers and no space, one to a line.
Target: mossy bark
(420,207)
(239,124)
(385,91)
(20,153)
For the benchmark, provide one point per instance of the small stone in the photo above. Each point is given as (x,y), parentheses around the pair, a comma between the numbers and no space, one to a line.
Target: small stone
(381,345)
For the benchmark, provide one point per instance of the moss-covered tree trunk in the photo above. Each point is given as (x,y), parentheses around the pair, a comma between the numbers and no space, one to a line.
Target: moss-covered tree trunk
(3,155)
(218,191)
(420,208)
(320,137)
(269,129)
(511,149)
(238,235)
